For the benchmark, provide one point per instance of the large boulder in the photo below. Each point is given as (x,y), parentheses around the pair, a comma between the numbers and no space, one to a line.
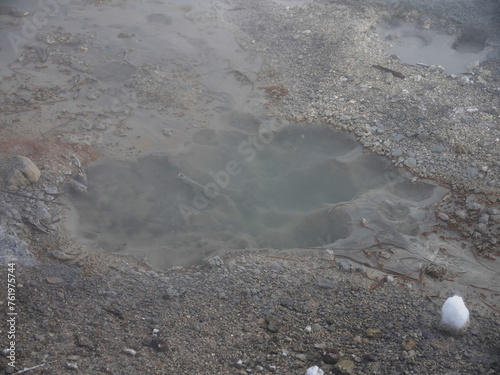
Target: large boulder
(23,172)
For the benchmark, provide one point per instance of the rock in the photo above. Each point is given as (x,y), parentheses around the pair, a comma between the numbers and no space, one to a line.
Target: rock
(315,370)
(326,254)
(411,162)
(273,323)
(409,344)
(461,214)
(484,219)
(345,265)
(316,327)
(42,213)
(325,283)
(438,148)
(493,211)
(344,367)
(71,366)
(23,171)
(395,152)
(443,216)
(54,280)
(454,316)
(16,179)
(471,172)
(373,333)
(215,261)
(398,137)
(130,352)
(473,206)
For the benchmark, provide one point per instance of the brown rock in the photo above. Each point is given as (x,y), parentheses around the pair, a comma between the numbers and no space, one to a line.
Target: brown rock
(23,171)
(409,344)
(344,367)
(373,333)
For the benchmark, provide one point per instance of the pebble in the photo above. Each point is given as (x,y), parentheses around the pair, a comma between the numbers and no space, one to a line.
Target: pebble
(411,162)
(326,254)
(71,365)
(471,172)
(398,137)
(325,283)
(461,214)
(484,219)
(344,367)
(443,216)
(345,265)
(473,206)
(130,352)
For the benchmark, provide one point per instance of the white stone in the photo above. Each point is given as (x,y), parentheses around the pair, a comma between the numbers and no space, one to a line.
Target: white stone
(315,370)
(455,316)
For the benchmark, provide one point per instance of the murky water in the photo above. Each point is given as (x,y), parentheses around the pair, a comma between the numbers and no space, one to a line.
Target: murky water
(275,189)
(455,53)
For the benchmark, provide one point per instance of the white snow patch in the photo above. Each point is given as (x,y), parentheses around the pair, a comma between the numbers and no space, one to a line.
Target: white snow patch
(455,316)
(315,370)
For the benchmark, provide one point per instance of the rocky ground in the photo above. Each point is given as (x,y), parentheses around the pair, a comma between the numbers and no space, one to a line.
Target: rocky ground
(82,311)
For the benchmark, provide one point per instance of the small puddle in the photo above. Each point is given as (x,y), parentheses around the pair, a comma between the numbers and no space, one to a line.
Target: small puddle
(279,190)
(455,53)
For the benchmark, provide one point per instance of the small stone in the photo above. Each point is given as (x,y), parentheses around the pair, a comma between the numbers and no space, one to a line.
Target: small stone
(92,94)
(438,148)
(427,335)
(409,344)
(411,162)
(395,152)
(325,283)
(273,323)
(73,358)
(344,367)
(326,254)
(71,366)
(167,132)
(42,213)
(461,214)
(345,265)
(215,261)
(54,280)
(484,219)
(23,171)
(443,216)
(471,172)
(316,327)
(373,333)
(398,137)
(130,352)
(473,206)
